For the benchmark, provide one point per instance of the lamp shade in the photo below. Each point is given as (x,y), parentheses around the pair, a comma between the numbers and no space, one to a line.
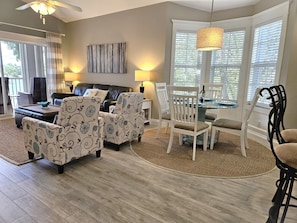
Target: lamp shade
(142,75)
(70,77)
(210,38)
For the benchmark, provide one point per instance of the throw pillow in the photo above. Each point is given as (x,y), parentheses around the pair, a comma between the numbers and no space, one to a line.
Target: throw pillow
(101,94)
(90,92)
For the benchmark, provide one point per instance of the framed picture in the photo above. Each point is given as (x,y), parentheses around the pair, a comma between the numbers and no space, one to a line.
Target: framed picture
(107,58)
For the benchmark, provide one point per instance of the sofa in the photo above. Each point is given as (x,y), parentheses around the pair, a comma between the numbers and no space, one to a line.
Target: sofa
(80,89)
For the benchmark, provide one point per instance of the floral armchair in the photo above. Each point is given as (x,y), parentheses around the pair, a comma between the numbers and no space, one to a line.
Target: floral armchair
(78,132)
(125,121)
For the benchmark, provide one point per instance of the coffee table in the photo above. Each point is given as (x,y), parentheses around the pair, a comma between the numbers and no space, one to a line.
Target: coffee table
(35,111)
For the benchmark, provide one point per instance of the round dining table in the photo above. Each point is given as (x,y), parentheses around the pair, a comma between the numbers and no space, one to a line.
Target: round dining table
(214,104)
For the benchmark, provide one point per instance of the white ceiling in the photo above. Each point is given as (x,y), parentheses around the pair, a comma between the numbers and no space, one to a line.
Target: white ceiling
(94,8)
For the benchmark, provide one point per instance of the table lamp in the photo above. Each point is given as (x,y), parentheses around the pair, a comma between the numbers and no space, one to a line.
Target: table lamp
(69,79)
(142,75)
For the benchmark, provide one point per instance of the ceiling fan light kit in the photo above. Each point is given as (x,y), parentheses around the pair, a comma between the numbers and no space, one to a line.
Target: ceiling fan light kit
(43,8)
(47,7)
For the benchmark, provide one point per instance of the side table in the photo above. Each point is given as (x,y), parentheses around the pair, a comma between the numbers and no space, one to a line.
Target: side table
(147,108)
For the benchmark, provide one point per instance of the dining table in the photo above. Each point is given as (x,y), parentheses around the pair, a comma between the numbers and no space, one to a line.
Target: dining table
(214,104)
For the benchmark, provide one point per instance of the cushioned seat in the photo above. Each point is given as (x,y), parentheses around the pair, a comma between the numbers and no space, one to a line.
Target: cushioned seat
(234,126)
(287,153)
(289,135)
(228,123)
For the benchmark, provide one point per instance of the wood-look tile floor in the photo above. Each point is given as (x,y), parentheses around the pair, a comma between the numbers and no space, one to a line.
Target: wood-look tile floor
(120,187)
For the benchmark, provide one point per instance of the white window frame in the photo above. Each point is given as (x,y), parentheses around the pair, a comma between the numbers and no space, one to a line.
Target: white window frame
(266,17)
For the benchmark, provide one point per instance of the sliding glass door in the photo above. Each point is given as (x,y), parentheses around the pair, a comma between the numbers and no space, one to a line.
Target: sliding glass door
(20,62)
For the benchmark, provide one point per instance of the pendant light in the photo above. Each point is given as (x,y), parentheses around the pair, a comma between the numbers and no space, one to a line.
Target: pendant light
(210,38)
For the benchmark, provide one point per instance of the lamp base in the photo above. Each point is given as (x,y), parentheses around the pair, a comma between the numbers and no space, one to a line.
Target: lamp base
(141,89)
(71,87)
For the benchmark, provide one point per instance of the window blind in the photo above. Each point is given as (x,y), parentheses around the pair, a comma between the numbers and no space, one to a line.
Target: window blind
(188,60)
(226,63)
(264,61)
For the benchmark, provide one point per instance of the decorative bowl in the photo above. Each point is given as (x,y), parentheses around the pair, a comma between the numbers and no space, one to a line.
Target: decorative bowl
(44,104)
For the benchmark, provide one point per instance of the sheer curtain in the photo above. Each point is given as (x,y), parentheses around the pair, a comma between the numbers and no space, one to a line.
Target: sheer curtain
(55,70)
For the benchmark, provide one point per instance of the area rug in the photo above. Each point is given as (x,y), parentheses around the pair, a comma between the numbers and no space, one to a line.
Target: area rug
(12,146)
(224,160)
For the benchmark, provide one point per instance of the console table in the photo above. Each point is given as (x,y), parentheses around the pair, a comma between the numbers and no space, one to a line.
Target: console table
(35,111)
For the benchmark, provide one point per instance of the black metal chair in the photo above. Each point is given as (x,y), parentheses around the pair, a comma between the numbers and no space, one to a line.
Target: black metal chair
(285,153)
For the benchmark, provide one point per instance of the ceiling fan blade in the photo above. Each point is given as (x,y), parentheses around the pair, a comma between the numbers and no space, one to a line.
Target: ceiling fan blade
(65,5)
(23,7)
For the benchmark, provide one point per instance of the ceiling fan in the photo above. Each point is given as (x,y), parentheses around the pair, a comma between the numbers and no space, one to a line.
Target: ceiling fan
(47,7)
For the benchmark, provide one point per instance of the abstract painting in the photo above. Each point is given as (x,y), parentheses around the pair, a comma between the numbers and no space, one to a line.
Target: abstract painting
(107,58)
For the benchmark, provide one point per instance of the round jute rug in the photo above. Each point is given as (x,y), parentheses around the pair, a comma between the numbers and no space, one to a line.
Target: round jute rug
(224,160)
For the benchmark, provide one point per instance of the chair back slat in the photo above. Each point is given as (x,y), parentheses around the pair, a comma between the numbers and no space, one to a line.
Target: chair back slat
(214,91)
(183,103)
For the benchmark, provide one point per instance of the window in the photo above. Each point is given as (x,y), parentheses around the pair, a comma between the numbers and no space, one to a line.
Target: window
(250,57)
(265,57)
(226,63)
(21,62)
(187,60)
(23,57)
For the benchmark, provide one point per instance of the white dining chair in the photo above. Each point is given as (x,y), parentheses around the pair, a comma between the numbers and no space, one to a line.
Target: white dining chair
(214,92)
(234,126)
(163,105)
(183,103)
